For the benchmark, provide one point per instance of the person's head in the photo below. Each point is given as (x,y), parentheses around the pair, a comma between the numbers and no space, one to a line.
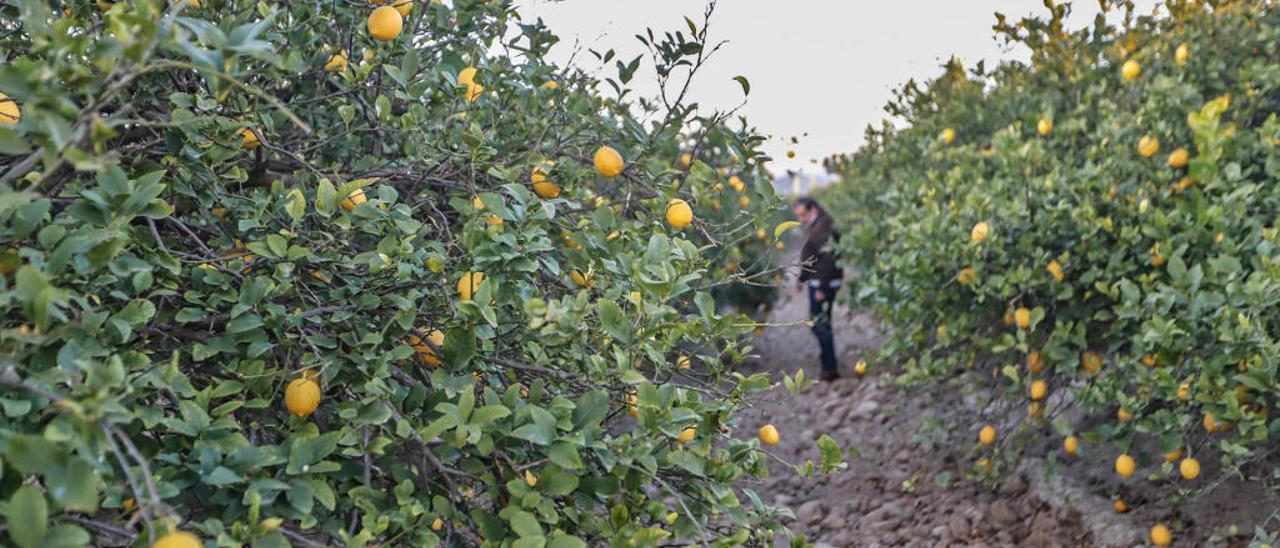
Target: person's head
(806,209)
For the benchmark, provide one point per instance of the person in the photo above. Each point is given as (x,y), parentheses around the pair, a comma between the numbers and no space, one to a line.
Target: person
(822,276)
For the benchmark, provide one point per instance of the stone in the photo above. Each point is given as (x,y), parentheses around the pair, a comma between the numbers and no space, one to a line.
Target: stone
(810,512)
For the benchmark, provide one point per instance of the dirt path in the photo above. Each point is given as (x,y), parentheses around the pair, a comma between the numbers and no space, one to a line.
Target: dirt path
(897,493)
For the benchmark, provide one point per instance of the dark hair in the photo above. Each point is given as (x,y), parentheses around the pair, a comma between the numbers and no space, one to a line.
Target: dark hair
(808,203)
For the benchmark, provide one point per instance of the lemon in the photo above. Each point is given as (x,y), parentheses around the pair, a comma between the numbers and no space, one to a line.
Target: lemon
(248,139)
(1125,465)
(632,410)
(1160,535)
(530,479)
(1045,126)
(1091,362)
(1123,415)
(768,435)
(762,234)
(385,24)
(9,111)
(338,62)
(1173,456)
(1181,54)
(1071,445)
(608,162)
(683,362)
(1178,158)
(737,184)
(686,160)
(403,6)
(1035,363)
(1055,270)
(791,154)
(744,201)
(1189,468)
(427,352)
(1148,146)
(686,435)
(1184,391)
(1121,507)
(302,396)
(545,189)
(1130,70)
(468,283)
(966,276)
(679,214)
(1210,425)
(980,231)
(580,279)
(178,539)
(860,368)
(1022,317)
(1039,389)
(987,435)
(1150,360)
(467,77)
(437,524)
(947,136)
(354,199)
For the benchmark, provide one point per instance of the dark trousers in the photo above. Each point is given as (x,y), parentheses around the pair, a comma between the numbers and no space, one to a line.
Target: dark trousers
(820,313)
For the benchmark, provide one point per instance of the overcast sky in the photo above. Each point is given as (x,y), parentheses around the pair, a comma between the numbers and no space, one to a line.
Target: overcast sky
(822,67)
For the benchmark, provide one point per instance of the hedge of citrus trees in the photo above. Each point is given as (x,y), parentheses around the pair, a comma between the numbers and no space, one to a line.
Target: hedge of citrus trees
(1092,231)
(343,273)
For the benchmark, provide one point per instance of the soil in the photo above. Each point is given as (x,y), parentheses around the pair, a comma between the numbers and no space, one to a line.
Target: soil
(909,485)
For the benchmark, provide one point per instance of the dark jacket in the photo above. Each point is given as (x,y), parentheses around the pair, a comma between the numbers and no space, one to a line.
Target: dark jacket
(818,261)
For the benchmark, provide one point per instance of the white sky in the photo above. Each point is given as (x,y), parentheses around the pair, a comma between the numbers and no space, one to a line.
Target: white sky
(822,67)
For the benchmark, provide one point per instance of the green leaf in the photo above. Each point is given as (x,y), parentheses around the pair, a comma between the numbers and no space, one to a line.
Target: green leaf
(74,486)
(565,455)
(28,517)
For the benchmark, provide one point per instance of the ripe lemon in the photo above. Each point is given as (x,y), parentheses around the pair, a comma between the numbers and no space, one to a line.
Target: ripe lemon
(860,368)
(686,435)
(1035,363)
(987,435)
(947,136)
(679,214)
(1123,415)
(403,6)
(354,199)
(980,231)
(1173,456)
(1035,411)
(737,184)
(762,234)
(1125,465)
(1150,360)
(1148,146)
(9,111)
(467,77)
(686,160)
(1091,362)
(966,276)
(1178,158)
(608,162)
(768,435)
(1022,317)
(545,189)
(1121,507)
(580,279)
(1184,391)
(178,539)
(1210,425)
(338,62)
(744,201)
(632,410)
(1045,126)
(1181,54)
(1130,70)
(1160,535)
(427,352)
(1071,445)
(302,396)
(468,283)
(1039,389)
(683,362)
(1055,270)
(248,139)
(1189,468)
(385,23)
(437,524)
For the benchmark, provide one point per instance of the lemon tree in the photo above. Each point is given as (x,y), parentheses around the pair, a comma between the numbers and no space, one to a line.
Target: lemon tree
(304,274)
(1089,237)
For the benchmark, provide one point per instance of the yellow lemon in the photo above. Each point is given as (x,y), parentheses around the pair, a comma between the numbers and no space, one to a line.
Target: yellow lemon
(980,231)
(403,6)
(686,160)
(1178,158)
(1150,360)
(1035,363)
(1121,507)
(467,77)
(249,139)
(385,23)
(744,201)
(1125,465)
(768,435)
(1181,54)
(530,479)
(683,362)
(427,352)
(354,199)
(338,62)
(546,190)
(1055,270)
(1123,415)
(1160,535)
(966,276)
(608,162)
(580,279)
(468,283)
(1022,317)
(686,435)
(1173,456)
(860,368)
(1045,126)
(737,184)
(1148,146)
(178,539)
(1071,445)
(1130,70)
(1189,468)
(437,525)
(1184,391)
(632,410)
(302,396)
(679,214)
(947,136)
(9,111)
(1091,362)
(1210,425)
(1039,389)
(987,435)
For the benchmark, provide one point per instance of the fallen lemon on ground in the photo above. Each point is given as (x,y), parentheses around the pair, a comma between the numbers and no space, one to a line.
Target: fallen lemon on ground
(768,435)
(302,396)
(608,162)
